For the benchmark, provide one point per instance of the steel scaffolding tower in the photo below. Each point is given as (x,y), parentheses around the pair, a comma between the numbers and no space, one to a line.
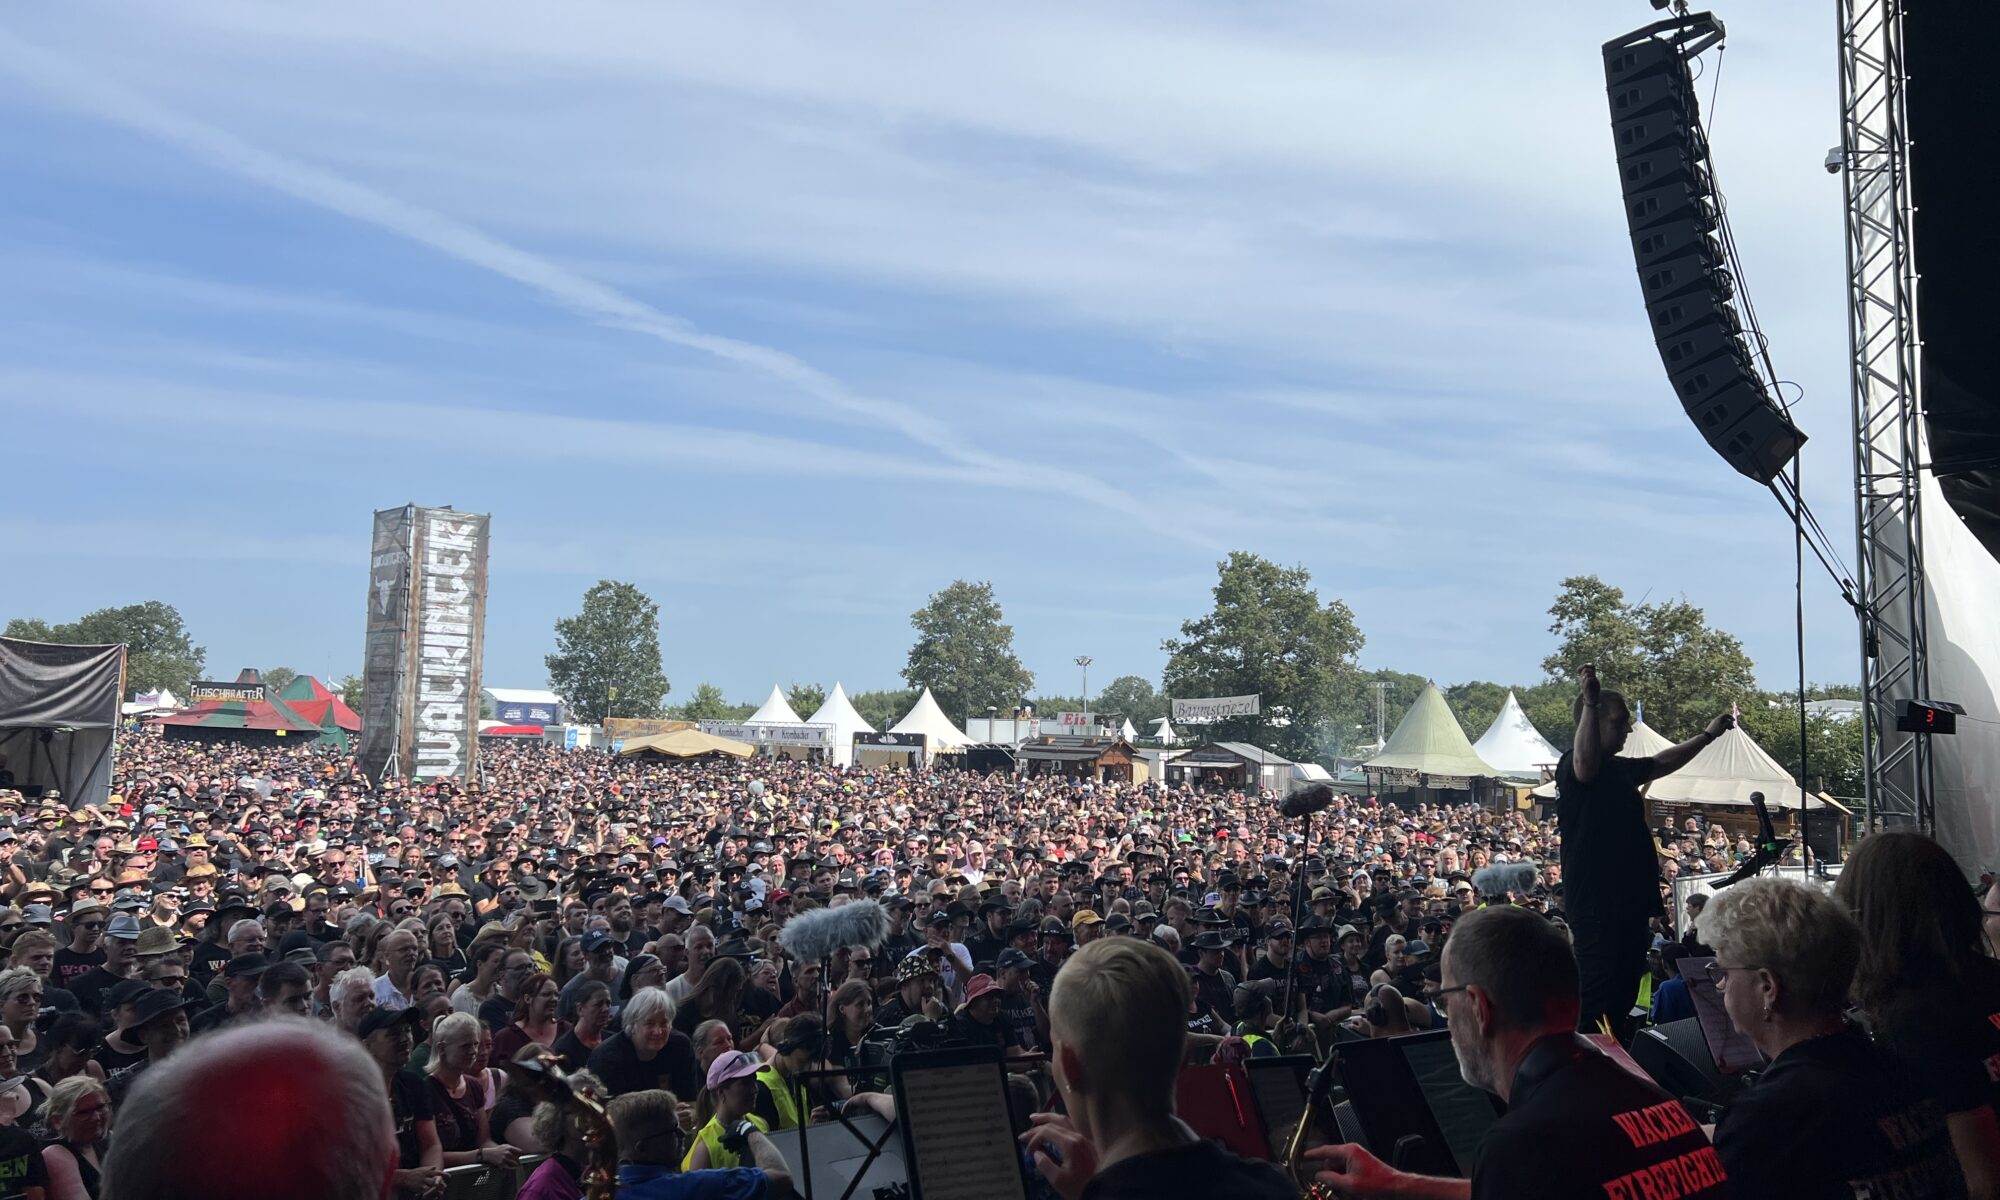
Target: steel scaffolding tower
(1888,442)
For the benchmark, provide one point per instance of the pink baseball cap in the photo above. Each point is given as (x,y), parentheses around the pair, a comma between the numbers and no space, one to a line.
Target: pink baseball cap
(737,1064)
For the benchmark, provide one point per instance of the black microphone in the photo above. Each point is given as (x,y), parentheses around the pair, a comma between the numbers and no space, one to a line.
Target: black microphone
(1769,849)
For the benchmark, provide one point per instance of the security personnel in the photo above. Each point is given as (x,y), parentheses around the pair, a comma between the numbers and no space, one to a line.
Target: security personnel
(778,1105)
(1578,1125)
(1255,1015)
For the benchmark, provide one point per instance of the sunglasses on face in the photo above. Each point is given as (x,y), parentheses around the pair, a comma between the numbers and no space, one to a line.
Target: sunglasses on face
(90,925)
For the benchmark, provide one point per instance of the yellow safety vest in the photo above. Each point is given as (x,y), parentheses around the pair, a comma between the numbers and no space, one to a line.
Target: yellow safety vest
(789,1114)
(710,1135)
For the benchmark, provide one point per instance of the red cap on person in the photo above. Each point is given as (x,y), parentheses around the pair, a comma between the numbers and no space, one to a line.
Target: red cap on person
(978,986)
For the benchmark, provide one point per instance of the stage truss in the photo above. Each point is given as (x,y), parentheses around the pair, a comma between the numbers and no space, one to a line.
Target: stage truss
(1883,344)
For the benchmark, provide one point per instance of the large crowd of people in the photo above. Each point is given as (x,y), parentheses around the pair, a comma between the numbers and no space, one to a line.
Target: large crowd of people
(241,925)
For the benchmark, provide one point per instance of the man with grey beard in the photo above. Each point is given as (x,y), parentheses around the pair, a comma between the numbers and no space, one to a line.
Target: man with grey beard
(1578,1125)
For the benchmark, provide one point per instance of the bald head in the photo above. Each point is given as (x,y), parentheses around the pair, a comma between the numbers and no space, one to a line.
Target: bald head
(314,1120)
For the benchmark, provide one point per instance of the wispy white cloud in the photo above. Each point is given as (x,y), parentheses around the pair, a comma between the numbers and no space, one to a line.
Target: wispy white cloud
(595,301)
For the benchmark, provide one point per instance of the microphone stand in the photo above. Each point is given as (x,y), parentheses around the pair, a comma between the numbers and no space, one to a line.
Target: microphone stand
(1298,918)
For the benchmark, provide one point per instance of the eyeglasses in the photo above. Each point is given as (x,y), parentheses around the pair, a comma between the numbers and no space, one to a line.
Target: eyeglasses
(90,924)
(1441,993)
(1716,972)
(102,891)
(861,960)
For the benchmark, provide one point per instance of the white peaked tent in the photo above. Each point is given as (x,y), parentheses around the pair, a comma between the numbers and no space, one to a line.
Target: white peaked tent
(1163,732)
(928,719)
(1128,733)
(836,710)
(1513,744)
(774,712)
(1726,771)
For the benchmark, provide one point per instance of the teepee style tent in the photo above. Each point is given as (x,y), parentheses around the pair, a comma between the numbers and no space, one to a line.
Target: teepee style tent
(776,711)
(1429,745)
(836,710)
(1726,771)
(927,718)
(1513,744)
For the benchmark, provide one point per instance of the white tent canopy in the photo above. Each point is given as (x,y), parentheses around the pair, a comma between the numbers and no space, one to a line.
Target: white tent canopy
(836,710)
(1726,771)
(1128,733)
(1514,745)
(776,711)
(1163,732)
(927,718)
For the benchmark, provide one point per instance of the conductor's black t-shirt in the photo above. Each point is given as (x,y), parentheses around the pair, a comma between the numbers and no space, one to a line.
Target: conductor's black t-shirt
(1581,1127)
(1610,870)
(1834,1118)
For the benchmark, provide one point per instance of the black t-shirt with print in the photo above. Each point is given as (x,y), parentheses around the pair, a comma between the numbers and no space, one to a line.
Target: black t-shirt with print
(457,1118)
(1838,1117)
(71,966)
(20,1163)
(409,1103)
(1581,1127)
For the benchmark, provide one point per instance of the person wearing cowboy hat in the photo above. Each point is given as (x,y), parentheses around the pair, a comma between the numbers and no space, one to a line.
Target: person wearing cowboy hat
(1213,985)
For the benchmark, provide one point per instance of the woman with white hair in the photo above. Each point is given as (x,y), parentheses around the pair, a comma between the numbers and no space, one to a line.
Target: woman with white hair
(1834,1115)
(648,1052)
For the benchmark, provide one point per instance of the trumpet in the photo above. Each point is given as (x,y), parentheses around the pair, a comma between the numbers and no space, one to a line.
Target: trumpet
(545,1078)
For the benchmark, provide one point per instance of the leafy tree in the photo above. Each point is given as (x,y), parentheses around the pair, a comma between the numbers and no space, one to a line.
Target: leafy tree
(1548,706)
(1404,688)
(1049,706)
(805,699)
(707,704)
(1476,704)
(1664,656)
(612,643)
(964,652)
(351,689)
(1134,698)
(277,679)
(32,629)
(159,652)
(1269,633)
(882,709)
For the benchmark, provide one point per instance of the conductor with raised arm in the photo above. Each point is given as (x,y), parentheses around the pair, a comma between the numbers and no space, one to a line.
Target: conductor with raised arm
(1611,873)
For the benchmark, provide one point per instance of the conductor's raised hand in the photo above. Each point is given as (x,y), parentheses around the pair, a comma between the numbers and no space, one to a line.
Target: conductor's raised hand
(1588,682)
(1721,725)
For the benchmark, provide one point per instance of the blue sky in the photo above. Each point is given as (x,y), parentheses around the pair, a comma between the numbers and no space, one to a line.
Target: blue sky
(791,316)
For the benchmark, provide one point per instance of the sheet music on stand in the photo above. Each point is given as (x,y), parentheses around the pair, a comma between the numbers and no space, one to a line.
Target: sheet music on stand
(958,1130)
(1732,1053)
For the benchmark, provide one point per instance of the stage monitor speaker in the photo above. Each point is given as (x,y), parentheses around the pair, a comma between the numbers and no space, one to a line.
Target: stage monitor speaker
(1677,1058)
(1671,215)
(1951,93)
